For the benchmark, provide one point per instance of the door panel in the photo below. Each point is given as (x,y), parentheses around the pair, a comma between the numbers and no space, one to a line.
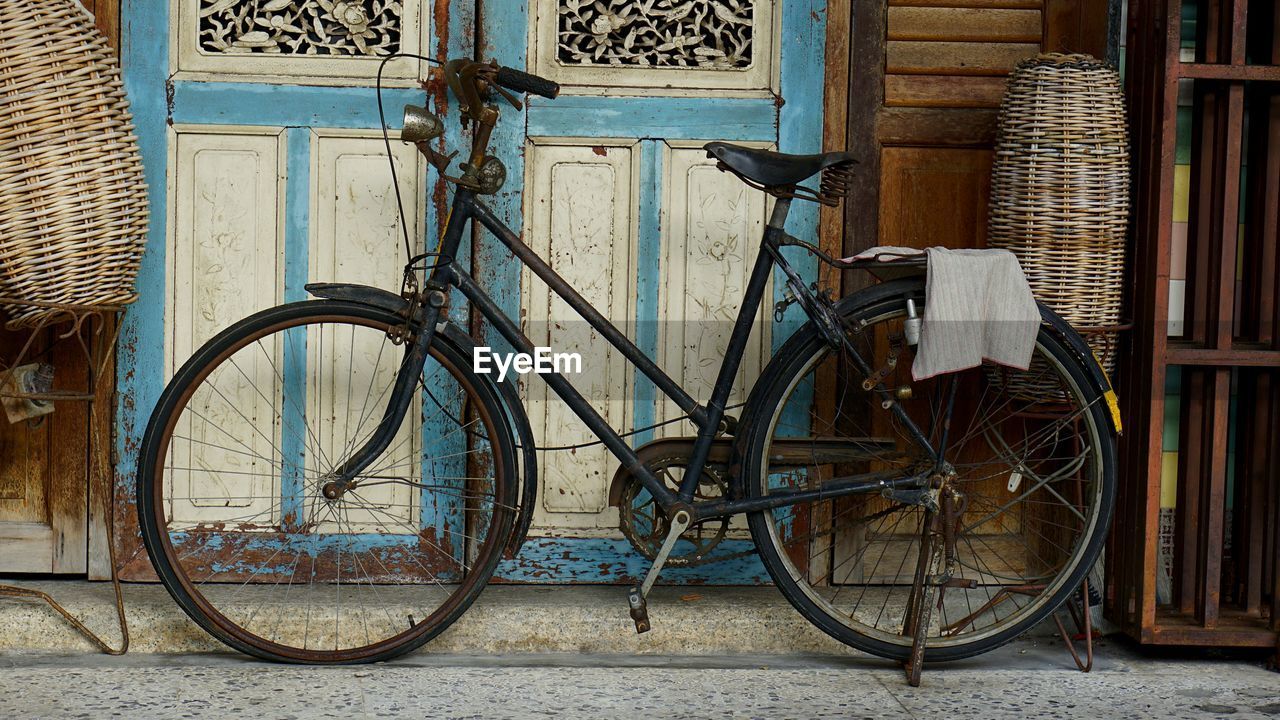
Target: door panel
(582,220)
(953,183)
(357,238)
(226,263)
(43,468)
(661,81)
(711,233)
(259,125)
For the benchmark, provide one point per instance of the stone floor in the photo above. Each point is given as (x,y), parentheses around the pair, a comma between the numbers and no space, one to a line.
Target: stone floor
(1029,678)
(528,652)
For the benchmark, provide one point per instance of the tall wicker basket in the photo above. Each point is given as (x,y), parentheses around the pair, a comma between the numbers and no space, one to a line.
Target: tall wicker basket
(73,203)
(1060,190)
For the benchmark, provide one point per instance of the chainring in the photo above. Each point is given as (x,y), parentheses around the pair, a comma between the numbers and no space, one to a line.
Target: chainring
(645,524)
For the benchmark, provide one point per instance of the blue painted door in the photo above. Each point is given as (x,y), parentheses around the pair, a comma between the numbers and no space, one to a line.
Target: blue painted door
(260,140)
(613,187)
(260,137)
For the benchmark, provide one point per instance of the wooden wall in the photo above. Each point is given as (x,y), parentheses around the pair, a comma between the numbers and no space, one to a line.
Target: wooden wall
(106,14)
(924,80)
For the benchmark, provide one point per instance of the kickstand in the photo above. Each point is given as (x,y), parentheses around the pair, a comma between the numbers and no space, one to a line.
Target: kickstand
(1084,627)
(920,602)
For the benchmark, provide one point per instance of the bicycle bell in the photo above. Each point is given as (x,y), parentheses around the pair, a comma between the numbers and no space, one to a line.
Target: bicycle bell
(491,176)
(420,125)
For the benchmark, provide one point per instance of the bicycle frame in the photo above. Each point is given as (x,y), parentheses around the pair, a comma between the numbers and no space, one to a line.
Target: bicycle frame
(710,419)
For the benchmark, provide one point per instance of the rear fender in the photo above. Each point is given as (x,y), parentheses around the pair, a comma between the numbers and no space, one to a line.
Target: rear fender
(914,287)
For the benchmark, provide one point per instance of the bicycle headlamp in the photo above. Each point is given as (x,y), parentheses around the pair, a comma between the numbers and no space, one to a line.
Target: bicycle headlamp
(420,125)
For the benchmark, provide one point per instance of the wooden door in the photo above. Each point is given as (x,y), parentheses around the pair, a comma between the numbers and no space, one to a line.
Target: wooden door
(619,195)
(925,82)
(44,469)
(261,141)
(51,470)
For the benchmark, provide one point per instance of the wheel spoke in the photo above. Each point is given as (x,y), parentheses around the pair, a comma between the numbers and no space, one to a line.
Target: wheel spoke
(271,559)
(1027,470)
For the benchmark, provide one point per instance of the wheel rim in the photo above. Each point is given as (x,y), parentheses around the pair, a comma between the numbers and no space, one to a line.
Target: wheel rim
(836,572)
(282,569)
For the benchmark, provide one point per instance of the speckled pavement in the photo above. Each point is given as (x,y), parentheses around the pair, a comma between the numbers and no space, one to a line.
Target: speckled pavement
(1029,678)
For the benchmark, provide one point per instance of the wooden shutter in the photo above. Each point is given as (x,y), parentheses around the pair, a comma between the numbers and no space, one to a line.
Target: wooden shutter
(925,82)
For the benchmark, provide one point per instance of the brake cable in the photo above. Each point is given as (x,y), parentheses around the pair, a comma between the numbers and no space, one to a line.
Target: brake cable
(560,448)
(386,141)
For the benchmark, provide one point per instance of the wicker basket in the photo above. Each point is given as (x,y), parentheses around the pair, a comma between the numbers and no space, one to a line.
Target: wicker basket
(1060,190)
(73,202)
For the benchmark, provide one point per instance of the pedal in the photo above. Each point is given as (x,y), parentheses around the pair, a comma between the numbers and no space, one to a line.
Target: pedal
(639,610)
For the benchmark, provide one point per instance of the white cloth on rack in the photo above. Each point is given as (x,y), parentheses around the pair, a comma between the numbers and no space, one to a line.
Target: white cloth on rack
(978,307)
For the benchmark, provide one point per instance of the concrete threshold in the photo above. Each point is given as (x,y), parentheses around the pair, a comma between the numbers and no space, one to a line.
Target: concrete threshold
(506,619)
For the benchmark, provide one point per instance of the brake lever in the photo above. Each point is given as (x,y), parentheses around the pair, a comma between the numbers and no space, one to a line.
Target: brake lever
(461,75)
(488,72)
(506,94)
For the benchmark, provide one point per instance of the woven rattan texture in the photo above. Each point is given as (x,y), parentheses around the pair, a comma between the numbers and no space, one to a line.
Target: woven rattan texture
(1060,188)
(73,202)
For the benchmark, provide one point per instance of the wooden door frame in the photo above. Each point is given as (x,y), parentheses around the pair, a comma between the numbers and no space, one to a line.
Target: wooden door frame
(1091,26)
(106,16)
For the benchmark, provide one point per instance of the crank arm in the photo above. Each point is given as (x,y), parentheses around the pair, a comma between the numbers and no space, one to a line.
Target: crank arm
(637,596)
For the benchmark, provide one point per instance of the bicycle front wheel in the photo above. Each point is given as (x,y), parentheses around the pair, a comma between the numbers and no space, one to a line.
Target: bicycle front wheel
(234,466)
(1033,486)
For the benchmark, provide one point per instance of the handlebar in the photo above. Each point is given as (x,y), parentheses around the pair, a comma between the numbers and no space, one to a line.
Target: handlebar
(524,82)
(469,80)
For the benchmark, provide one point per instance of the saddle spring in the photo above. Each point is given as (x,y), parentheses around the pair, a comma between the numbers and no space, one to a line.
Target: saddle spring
(835,183)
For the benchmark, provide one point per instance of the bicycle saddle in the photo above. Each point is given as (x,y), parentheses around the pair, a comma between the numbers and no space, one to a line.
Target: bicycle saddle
(773,169)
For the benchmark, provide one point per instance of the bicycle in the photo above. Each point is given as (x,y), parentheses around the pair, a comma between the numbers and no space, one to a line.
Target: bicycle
(914,520)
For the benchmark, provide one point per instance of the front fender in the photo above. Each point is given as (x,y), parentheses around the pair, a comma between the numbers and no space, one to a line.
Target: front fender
(362,294)
(516,416)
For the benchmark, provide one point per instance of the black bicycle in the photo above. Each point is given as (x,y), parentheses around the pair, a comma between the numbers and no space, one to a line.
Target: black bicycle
(330,482)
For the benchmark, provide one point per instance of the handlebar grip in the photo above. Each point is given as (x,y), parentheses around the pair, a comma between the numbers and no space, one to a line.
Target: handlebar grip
(524,82)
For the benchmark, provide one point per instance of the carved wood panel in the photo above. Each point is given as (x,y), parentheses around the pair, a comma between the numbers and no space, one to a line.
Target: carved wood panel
(323,40)
(225,262)
(658,44)
(357,238)
(581,219)
(300,27)
(712,226)
(665,33)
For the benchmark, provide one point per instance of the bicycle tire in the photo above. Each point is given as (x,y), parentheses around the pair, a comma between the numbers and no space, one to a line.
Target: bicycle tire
(189,593)
(784,372)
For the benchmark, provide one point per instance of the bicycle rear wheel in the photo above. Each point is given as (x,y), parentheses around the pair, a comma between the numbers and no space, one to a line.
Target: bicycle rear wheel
(1034,483)
(231,478)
